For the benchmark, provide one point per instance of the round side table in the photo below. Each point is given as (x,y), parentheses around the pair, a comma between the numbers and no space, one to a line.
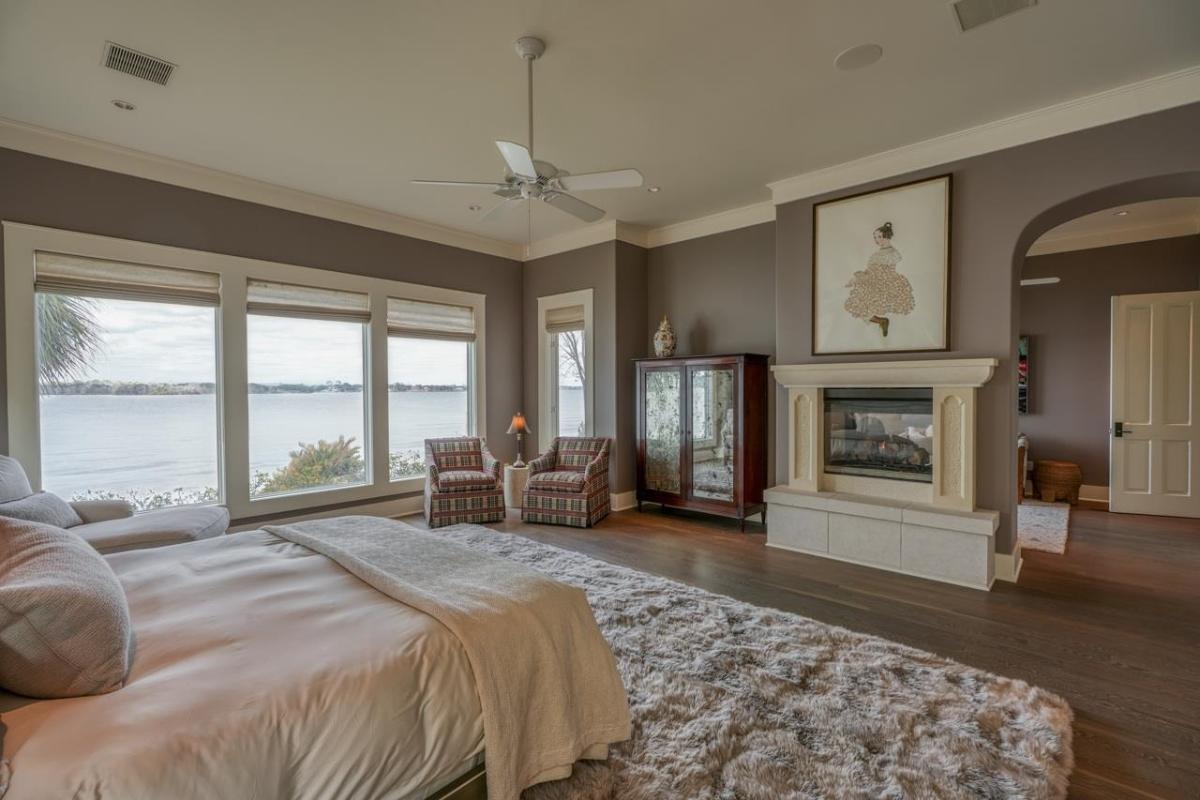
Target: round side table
(515,479)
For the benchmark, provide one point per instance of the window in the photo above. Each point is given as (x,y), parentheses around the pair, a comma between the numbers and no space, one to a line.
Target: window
(127,389)
(304,368)
(565,365)
(170,376)
(430,368)
(568,347)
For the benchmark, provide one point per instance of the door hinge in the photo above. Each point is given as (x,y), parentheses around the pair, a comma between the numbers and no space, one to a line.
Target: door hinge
(1118,430)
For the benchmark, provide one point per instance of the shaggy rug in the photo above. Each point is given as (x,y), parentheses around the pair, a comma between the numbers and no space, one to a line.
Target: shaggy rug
(1043,526)
(732,701)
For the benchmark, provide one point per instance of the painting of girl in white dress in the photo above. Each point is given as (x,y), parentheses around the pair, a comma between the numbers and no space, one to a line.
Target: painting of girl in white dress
(880,291)
(868,296)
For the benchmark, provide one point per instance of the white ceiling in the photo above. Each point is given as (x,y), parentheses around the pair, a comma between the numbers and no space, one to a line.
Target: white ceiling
(711,100)
(1136,222)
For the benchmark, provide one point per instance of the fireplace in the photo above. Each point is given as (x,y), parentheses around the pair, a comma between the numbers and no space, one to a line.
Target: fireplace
(881,468)
(879,433)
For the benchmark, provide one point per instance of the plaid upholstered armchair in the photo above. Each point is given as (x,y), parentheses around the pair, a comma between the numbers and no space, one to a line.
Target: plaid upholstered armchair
(462,482)
(568,485)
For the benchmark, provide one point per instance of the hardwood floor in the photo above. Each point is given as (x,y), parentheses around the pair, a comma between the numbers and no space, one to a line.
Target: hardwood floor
(1113,626)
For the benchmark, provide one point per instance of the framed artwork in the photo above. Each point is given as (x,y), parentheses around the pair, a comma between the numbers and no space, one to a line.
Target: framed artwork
(1023,375)
(881,270)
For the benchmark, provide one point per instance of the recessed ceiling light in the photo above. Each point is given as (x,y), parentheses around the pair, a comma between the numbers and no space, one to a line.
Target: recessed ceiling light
(652,189)
(475,207)
(1121,213)
(124,105)
(863,55)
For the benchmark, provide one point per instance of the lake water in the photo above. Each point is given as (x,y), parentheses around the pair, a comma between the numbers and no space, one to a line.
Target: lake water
(128,443)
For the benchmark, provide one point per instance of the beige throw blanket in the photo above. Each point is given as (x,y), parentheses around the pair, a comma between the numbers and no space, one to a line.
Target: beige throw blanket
(547,680)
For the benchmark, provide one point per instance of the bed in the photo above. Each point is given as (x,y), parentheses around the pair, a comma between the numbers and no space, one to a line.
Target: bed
(262,669)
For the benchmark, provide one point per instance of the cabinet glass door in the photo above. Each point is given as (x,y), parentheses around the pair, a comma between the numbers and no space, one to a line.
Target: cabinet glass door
(713,431)
(664,431)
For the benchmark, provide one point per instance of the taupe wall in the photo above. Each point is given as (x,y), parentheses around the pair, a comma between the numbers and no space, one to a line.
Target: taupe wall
(1002,202)
(631,343)
(57,194)
(717,291)
(616,274)
(1069,328)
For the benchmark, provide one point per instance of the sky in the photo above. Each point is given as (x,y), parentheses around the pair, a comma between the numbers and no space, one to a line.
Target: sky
(161,343)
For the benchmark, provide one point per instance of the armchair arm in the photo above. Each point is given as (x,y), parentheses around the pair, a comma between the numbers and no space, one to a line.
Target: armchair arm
(596,467)
(543,463)
(491,465)
(431,470)
(102,510)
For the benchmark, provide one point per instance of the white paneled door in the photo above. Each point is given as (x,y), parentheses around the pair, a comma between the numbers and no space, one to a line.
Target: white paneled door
(1155,435)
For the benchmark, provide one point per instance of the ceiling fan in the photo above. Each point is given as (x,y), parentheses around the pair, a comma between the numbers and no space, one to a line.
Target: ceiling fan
(529,179)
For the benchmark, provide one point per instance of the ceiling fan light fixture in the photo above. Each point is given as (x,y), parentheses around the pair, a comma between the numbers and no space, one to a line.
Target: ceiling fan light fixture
(653,189)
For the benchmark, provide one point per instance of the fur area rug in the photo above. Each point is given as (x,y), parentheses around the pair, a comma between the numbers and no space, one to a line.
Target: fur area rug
(1043,526)
(731,701)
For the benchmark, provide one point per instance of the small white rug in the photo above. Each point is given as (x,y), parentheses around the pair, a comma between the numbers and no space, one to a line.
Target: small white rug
(1043,526)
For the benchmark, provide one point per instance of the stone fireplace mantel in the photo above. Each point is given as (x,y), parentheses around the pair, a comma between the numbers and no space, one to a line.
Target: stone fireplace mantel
(966,372)
(931,529)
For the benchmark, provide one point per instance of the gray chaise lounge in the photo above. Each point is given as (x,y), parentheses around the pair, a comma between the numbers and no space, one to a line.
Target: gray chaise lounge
(110,526)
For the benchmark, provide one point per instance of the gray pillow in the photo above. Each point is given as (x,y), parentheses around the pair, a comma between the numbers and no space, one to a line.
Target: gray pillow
(13,483)
(64,620)
(43,507)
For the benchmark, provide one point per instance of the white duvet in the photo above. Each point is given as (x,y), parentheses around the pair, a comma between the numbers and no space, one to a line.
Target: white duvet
(263,670)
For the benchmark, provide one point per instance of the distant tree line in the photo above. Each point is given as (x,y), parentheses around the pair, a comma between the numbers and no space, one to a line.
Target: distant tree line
(138,388)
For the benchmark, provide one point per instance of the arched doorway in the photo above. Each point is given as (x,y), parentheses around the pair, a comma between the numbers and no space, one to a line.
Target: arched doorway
(1062,329)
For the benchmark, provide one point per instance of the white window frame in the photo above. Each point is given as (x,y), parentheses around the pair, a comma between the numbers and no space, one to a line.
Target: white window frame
(22,242)
(473,412)
(548,365)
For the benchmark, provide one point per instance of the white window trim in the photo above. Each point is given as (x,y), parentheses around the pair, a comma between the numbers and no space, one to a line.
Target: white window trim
(547,380)
(22,241)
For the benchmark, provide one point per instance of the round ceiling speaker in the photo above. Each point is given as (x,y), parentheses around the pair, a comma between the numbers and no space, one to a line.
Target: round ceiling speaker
(864,55)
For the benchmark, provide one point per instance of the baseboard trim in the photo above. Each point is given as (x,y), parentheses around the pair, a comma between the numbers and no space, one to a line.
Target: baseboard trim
(1008,565)
(622,501)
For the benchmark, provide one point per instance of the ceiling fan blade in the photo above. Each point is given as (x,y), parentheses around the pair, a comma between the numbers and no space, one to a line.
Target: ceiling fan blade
(574,206)
(612,179)
(489,184)
(518,159)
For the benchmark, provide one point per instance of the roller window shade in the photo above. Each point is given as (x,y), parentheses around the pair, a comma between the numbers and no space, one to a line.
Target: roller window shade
(290,300)
(94,277)
(424,320)
(566,318)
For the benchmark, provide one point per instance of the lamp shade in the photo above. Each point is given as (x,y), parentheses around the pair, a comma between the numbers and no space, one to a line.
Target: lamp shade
(518,424)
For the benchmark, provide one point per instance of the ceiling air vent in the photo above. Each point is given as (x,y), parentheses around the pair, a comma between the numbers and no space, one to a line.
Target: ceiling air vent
(973,13)
(139,65)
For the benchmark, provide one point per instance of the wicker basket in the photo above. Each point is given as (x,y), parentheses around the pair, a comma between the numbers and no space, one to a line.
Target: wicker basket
(1058,480)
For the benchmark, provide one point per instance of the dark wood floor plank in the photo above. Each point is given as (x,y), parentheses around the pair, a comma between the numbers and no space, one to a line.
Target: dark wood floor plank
(1113,625)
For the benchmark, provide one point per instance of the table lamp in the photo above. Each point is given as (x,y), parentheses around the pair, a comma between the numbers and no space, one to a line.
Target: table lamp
(520,428)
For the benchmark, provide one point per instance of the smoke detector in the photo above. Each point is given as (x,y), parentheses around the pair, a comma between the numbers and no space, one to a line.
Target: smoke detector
(973,13)
(139,65)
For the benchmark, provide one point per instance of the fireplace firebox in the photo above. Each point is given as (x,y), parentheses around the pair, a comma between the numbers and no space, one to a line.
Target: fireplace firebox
(880,433)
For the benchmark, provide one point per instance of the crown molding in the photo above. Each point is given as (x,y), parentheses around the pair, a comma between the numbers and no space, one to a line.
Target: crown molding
(1183,225)
(734,218)
(1123,102)
(114,158)
(1144,97)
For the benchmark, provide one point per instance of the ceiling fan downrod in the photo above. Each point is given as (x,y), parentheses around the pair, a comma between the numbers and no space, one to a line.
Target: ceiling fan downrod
(531,49)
